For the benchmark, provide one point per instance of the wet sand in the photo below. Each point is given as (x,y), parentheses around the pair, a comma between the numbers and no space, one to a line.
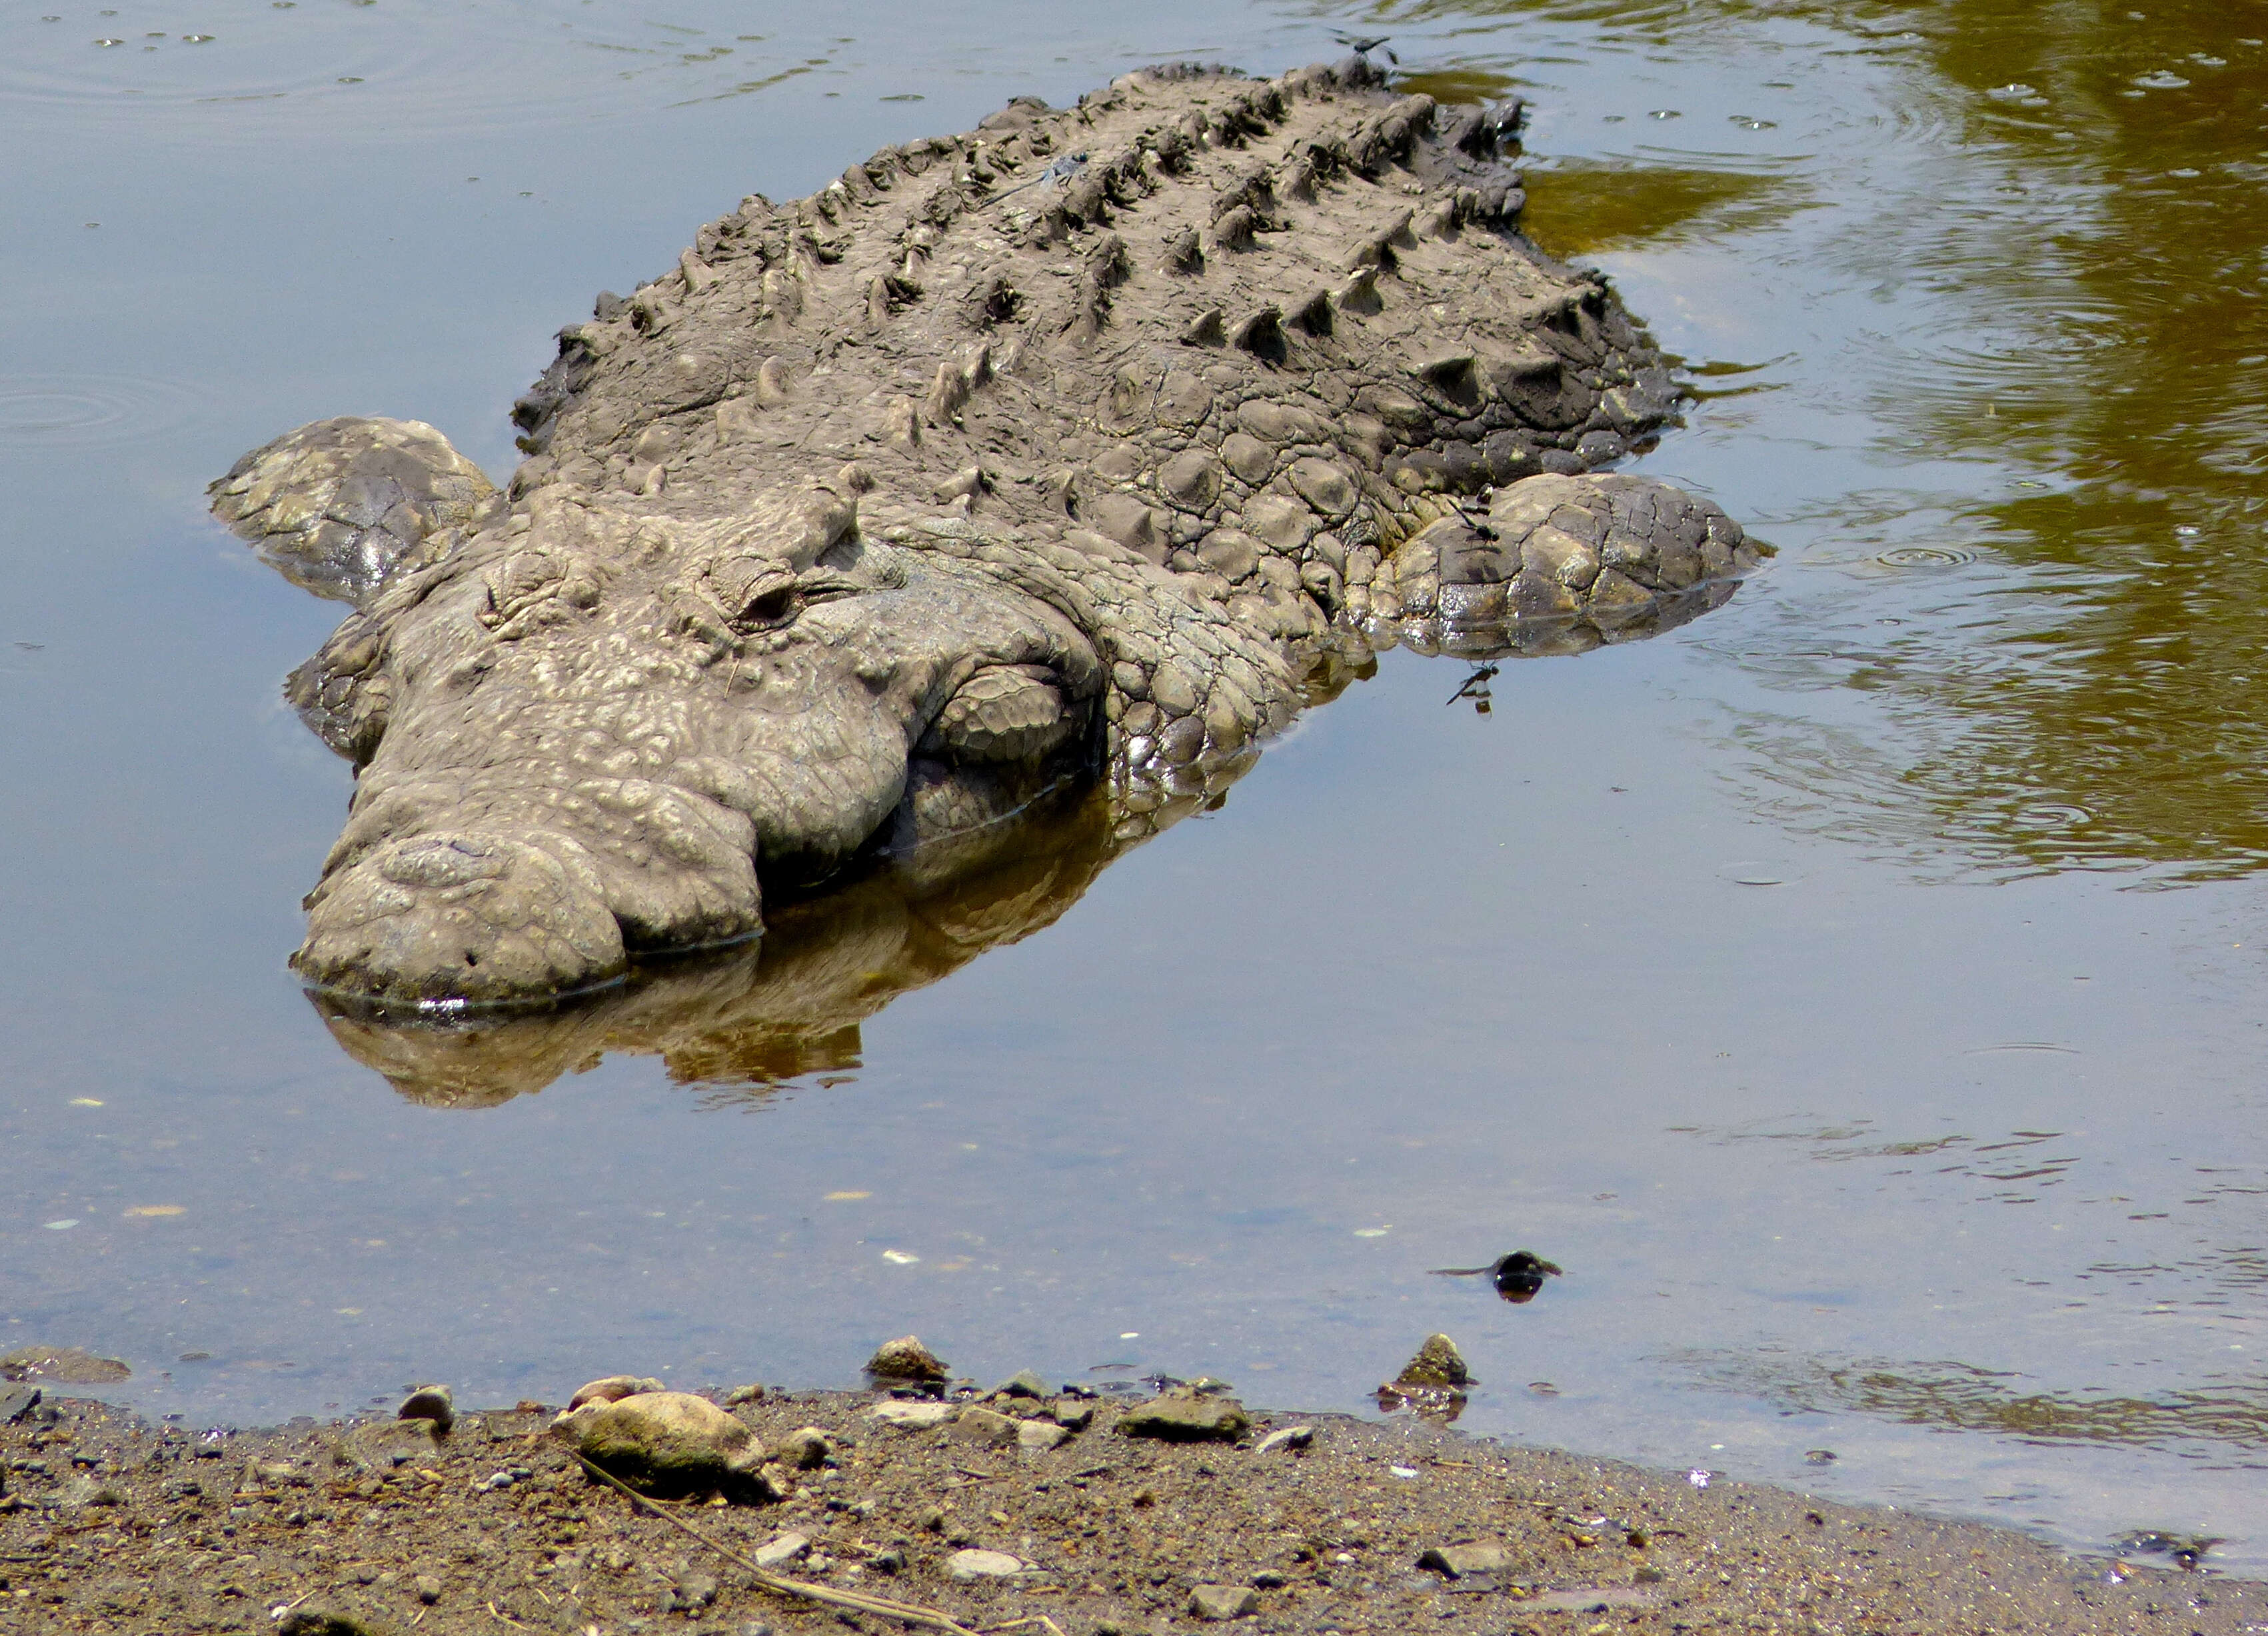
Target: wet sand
(109,1522)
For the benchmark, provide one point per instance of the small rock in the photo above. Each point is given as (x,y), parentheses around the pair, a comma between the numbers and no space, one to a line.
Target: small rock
(670,1442)
(1269,1579)
(1039,1435)
(1437,1364)
(780,1549)
(315,1619)
(428,1588)
(1182,1416)
(1224,1601)
(912,1416)
(806,1449)
(1462,1561)
(694,1590)
(1286,1437)
(381,1445)
(1072,1415)
(981,1426)
(738,1394)
(975,1565)
(16,1402)
(1648,1574)
(84,1490)
(613,1389)
(1023,1383)
(429,1403)
(905,1359)
(890,1561)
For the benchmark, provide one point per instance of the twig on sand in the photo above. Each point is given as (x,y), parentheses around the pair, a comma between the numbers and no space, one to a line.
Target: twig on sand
(904,1612)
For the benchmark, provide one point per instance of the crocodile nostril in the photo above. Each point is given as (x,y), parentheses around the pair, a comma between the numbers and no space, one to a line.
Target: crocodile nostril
(444,862)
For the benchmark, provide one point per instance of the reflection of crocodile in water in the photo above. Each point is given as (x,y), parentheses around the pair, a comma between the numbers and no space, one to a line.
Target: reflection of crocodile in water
(886,510)
(788,1006)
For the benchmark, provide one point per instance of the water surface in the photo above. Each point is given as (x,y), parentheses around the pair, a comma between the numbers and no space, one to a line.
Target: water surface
(1856,991)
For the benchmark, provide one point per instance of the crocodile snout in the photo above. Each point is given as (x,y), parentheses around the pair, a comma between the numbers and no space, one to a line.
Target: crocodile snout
(466,918)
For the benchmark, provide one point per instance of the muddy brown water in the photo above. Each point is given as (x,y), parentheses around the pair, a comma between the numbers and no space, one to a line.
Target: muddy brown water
(1857,991)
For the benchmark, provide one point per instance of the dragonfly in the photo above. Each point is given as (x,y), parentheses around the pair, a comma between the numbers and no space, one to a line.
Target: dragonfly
(1519,1276)
(1363,45)
(1060,170)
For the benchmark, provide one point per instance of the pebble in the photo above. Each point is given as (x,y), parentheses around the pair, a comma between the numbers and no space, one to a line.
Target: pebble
(1183,1416)
(428,1588)
(1224,1601)
(912,1416)
(1290,1437)
(314,1619)
(86,1491)
(781,1548)
(982,1425)
(1461,1561)
(1039,1435)
(806,1449)
(429,1403)
(613,1389)
(692,1590)
(974,1564)
(381,1445)
(738,1394)
(1023,1383)
(905,1359)
(670,1441)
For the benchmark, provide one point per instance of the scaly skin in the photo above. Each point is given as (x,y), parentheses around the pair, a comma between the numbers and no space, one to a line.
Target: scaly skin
(976,471)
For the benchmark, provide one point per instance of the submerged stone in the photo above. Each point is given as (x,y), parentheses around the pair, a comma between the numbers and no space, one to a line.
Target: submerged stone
(65,1365)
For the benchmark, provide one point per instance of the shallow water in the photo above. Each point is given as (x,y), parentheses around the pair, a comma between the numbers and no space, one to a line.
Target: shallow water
(1856,990)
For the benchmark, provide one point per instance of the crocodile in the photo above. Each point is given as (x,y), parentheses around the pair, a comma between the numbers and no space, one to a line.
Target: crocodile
(1090,445)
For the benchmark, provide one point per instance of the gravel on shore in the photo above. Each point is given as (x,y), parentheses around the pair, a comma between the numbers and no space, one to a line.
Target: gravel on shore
(1020,1508)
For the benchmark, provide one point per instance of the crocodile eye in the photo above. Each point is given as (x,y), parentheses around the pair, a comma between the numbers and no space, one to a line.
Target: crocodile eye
(769,606)
(756,593)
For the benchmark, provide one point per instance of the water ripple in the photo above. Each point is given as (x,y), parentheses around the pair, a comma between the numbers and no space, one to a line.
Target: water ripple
(89,411)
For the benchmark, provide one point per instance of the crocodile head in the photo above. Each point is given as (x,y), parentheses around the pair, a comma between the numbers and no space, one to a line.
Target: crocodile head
(582,731)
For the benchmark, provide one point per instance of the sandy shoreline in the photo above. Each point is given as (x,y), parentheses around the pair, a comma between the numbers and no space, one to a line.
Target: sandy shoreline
(108,1522)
